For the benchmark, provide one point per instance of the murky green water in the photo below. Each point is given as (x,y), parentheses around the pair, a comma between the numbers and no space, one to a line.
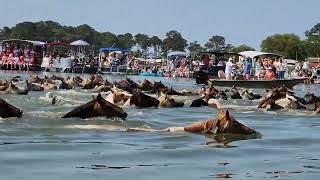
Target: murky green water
(41,145)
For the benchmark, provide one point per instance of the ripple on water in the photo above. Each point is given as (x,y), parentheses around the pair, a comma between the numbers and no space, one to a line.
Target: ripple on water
(82,149)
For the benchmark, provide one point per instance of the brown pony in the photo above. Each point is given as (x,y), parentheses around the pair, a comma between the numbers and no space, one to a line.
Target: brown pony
(270,105)
(47,85)
(66,86)
(142,100)
(74,81)
(223,124)
(312,99)
(54,77)
(96,108)
(13,89)
(7,110)
(102,88)
(166,101)
(35,79)
(146,85)
(33,87)
(95,80)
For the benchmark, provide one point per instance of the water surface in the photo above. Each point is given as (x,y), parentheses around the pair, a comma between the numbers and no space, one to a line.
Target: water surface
(41,145)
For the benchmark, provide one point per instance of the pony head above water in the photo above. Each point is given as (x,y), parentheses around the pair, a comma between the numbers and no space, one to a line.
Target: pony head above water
(97,108)
(142,100)
(227,124)
(7,110)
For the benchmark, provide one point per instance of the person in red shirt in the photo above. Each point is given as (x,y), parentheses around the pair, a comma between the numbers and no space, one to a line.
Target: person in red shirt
(205,60)
(21,62)
(270,75)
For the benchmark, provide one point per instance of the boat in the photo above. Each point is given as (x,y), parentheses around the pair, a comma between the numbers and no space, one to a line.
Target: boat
(115,67)
(259,84)
(151,74)
(76,57)
(26,49)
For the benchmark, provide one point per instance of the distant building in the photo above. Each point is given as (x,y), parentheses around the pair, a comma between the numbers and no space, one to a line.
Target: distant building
(314,62)
(314,59)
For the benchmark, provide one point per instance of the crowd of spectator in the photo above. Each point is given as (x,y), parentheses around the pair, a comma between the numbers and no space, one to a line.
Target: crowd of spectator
(17,57)
(269,68)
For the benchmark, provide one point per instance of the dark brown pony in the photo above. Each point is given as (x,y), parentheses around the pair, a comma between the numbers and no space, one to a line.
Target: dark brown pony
(312,99)
(35,79)
(127,85)
(7,110)
(74,81)
(146,85)
(33,87)
(66,86)
(157,86)
(198,103)
(270,105)
(272,96)
(250,95)
(54,77)
(171,92)
(93,82)
(142,100)
(96,108)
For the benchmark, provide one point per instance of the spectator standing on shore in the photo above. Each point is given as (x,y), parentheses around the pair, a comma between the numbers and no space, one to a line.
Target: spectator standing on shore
(305,67)
(280,70)
(258,68)
(228,70)
(247,68)
(206,60)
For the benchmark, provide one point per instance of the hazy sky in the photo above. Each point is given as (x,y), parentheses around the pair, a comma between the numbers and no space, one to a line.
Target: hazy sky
(239,21)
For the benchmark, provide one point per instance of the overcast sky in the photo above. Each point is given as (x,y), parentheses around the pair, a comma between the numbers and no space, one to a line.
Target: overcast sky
(239,21)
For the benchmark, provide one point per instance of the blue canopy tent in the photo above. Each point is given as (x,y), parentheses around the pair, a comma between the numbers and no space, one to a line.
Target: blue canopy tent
(111,49)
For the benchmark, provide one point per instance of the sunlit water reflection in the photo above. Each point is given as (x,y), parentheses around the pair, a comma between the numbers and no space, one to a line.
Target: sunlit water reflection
(41,145)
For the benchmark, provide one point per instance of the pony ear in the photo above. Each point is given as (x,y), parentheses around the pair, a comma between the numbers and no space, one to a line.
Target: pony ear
(227,114)
(99,96)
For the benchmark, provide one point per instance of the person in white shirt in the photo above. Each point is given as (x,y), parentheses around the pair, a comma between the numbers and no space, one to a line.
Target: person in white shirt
(228,70)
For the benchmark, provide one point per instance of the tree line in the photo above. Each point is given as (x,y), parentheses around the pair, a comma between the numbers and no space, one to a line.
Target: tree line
(289,45)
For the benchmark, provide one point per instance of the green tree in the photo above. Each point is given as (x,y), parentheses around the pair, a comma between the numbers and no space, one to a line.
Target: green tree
(216,43)
(156,42)
(174,41)
(45,31)
(107,39)
(312,42)
(195,47)
(241,48)
(125,41)
(85,32)
(143,41)
(24,30)
(288,45)
(5,33)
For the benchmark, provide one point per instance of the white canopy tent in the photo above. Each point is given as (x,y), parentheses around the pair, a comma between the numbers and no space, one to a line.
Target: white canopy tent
(253,54)
(177,53)
(80,43)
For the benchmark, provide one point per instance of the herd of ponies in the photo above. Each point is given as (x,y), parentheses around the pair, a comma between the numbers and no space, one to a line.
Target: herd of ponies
(112,99)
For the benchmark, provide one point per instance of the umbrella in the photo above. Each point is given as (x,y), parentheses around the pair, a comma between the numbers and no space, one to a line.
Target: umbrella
(79,43)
